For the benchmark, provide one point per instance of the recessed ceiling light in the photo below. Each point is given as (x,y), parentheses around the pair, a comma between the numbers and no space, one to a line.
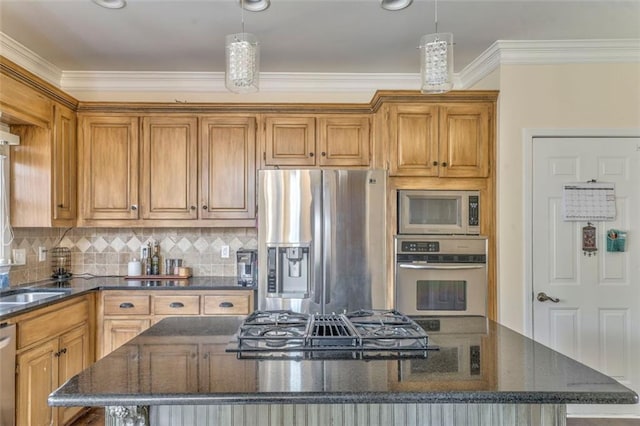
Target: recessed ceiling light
(394,4)
(111,4)
(255,5)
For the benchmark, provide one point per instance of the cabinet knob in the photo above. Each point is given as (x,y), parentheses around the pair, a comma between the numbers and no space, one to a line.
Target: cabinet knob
(126,305)
(176,305)
(134,207)
(226,305)
(324,154)
(60,206)
(193,207)
(311,154)
(204,207)
(435,163)
(444,164)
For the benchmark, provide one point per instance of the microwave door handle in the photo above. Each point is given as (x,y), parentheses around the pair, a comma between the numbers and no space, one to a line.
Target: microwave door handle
(436,267)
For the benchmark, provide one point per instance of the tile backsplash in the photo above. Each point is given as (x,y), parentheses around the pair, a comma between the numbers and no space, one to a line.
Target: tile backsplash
(106,251)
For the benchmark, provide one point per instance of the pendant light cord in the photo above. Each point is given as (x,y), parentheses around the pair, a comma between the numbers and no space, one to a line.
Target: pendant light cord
(436,15)
(242,14)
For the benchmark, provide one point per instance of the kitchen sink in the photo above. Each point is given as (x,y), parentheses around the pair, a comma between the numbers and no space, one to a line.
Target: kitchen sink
(22,297)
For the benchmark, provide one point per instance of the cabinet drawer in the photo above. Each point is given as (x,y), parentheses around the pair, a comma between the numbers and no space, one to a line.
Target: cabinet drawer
(176,305)
(52,323)
(126,305)
(227,304)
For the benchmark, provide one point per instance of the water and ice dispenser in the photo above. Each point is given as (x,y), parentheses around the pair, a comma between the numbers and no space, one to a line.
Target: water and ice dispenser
(288,271)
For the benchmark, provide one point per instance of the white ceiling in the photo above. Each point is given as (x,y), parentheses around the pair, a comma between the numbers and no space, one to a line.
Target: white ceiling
(319,36)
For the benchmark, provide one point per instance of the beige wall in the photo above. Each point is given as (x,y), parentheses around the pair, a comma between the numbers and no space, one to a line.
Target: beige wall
(576,96)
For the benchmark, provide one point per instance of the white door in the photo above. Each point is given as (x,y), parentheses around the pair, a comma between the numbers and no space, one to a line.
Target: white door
(597,317)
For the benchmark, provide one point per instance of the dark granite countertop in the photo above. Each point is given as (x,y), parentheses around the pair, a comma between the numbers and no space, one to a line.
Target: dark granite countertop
(183,361)
(78,285)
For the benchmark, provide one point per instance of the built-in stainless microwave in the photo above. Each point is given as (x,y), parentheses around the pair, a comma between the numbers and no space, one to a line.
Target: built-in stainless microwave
(439,212)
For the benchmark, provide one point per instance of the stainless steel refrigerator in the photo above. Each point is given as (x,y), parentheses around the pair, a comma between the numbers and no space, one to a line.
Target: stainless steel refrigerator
(321,240)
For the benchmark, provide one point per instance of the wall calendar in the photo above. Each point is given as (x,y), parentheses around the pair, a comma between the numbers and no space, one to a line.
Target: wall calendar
(589,201)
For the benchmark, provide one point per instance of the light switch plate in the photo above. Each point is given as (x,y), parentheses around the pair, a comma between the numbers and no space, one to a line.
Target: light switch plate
(224,252)
(19,256)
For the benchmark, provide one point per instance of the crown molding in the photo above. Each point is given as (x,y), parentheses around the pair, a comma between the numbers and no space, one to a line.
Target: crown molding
(548,52)
(81,81)
(29,60)
(502,52)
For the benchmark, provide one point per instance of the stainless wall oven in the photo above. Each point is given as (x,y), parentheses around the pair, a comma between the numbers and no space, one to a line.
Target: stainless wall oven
(441,275)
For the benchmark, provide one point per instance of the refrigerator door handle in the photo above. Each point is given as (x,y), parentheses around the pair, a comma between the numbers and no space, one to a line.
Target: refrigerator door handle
(328,214)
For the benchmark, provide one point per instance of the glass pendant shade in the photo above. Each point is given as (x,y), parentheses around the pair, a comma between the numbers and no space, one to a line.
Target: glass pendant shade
(243,63)
(436,62)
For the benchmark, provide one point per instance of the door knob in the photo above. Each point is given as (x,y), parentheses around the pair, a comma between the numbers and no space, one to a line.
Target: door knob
(542,297)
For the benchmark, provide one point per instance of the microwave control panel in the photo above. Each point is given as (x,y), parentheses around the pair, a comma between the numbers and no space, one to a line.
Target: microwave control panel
(474,210)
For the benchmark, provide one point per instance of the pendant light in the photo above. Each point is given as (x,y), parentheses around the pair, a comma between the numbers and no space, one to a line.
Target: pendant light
(242,60)
(436,60)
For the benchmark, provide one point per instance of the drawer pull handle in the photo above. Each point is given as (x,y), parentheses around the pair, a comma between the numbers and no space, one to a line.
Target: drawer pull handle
(127,305)
(226,305)
(176,305)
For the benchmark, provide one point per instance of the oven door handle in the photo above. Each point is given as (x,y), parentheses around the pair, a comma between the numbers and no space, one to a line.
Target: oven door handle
(422,266)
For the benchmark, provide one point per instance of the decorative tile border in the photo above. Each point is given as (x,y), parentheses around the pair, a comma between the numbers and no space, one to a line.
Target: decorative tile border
(106,251)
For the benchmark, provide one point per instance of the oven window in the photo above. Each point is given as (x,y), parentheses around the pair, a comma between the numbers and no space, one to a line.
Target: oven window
(440,295)
(434,211)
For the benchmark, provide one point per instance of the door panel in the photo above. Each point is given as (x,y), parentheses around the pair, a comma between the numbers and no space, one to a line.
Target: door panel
(599,295)
(169,167)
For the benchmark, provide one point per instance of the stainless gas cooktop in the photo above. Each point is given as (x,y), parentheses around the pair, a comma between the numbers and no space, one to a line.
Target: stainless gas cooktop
(364,334)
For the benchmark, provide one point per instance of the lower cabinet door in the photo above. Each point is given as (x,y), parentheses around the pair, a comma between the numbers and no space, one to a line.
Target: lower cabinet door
(117,332)
(75,356)
(37,378)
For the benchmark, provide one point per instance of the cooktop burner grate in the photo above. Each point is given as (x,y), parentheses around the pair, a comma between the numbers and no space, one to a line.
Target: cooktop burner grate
(370,334)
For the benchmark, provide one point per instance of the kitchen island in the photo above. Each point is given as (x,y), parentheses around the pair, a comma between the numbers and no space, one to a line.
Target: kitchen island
(179,373)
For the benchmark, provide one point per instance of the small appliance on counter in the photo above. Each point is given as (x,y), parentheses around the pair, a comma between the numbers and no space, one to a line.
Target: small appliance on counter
(60,263)
(247,262)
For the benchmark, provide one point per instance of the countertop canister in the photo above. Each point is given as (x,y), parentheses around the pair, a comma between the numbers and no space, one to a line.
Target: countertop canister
(134,268)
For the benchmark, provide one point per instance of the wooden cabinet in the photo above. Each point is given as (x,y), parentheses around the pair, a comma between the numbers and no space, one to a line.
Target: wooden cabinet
(43,173)
(54,344)
(37,378)
(169,168)
(117,332)
(64,166)
(108,153)
(325,140)
(228,168)
(443,140)
(123,314)
(21,104)
(185,175)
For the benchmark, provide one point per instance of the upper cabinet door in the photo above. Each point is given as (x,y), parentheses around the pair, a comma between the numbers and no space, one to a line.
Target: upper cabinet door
(109,167)
(344,141)
(169,169)
(227,167)
(413,134)
(64,166)
(464,140)
(290,141)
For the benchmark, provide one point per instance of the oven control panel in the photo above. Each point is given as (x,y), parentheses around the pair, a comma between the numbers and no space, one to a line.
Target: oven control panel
(420,246)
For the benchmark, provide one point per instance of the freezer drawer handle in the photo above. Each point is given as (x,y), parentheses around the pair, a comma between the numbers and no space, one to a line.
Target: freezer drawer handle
(225,305)
(127,305)
(176,305)
(414,266)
